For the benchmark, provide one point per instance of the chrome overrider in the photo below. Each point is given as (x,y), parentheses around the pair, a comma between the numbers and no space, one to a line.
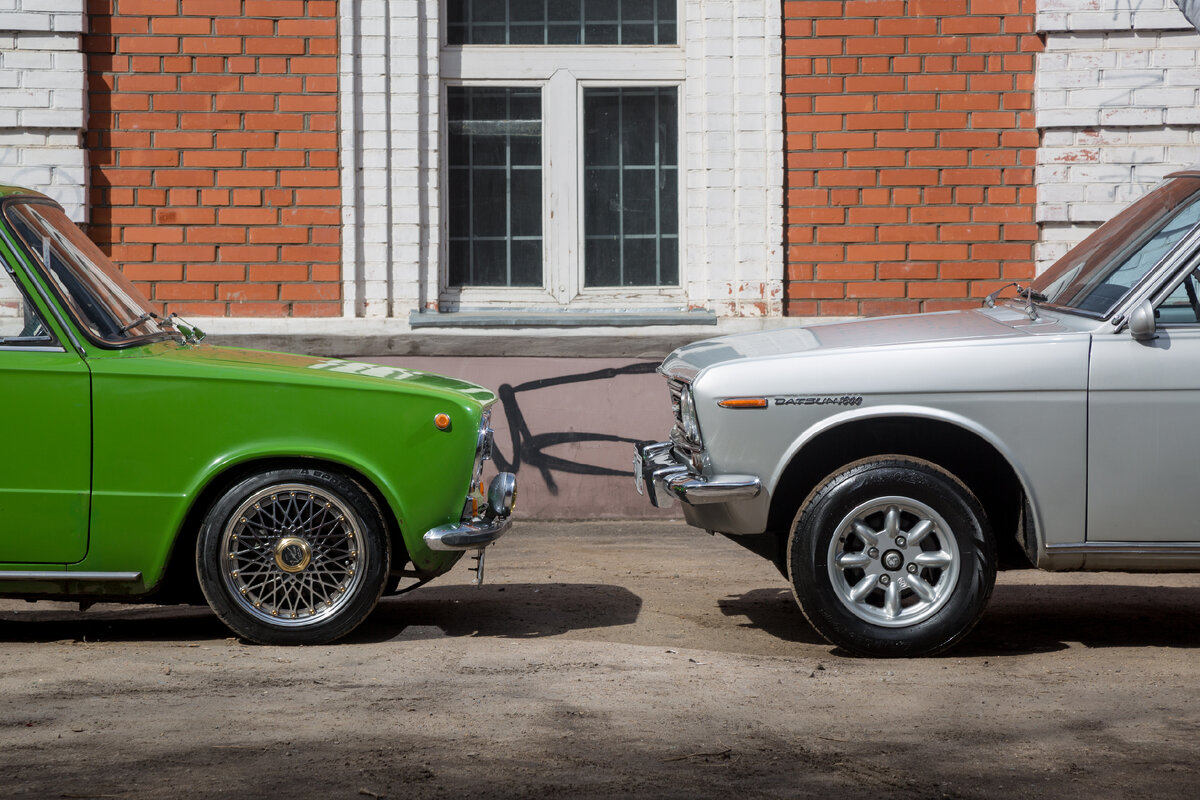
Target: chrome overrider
(660,475)
(478,532)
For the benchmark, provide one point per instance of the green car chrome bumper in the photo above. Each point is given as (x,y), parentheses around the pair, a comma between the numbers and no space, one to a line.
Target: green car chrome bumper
(473,534)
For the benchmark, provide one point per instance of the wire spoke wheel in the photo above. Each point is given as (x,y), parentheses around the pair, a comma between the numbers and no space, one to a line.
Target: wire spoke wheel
(292,554)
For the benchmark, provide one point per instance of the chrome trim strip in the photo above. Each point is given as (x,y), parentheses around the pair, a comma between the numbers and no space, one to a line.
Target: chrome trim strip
(1126,548)
(54,348)
(63,575)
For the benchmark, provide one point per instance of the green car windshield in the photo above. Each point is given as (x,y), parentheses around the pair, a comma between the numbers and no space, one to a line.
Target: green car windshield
(1101,270)
(100,298)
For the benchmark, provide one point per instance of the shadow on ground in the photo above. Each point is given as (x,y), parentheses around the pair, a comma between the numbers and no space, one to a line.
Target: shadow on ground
(1019,620)
(772,611)
(1024,619)
(508,611)
(1036,619)
(512,611)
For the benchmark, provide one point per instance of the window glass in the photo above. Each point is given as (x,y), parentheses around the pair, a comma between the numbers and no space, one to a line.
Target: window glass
(582,22)
(98,295)
(495,186)
(1182,305)
(1098,272)
(20,323)
(631,166)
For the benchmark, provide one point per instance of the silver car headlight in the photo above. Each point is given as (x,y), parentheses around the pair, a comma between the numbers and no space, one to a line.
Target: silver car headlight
(687,416)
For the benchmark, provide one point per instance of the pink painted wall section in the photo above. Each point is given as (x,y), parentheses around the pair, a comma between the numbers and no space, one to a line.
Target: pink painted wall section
(566,426)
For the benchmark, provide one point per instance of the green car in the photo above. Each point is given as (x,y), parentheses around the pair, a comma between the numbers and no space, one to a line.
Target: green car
(288,492)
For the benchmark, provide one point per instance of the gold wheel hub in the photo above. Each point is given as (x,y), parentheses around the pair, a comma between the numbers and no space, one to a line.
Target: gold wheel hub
(292,554)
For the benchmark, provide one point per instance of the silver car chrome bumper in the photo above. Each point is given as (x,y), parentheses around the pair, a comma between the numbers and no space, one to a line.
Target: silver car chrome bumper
(658,474)
(474,534)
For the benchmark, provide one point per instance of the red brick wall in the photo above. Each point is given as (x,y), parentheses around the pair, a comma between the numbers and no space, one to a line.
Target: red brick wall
(213,146)
(910,152)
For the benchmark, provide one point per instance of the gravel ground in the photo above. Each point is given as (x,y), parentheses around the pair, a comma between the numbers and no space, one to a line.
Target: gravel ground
(609,659)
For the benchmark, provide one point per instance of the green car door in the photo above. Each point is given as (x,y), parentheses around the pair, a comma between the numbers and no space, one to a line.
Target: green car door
(45,471)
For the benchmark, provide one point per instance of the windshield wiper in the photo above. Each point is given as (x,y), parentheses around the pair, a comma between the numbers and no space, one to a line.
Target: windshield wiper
(1029,294)
(1024,292)
(143,318)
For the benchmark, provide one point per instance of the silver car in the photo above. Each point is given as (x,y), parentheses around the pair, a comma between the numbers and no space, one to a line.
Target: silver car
(887,466)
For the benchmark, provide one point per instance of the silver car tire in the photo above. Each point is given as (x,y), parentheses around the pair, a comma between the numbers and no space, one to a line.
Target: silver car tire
(892,556)
(293,556)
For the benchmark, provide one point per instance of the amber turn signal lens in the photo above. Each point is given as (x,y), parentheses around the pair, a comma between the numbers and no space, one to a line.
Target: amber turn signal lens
(743,402)
(442,422)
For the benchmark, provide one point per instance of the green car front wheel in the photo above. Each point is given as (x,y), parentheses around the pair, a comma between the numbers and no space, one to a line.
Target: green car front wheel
(293,556)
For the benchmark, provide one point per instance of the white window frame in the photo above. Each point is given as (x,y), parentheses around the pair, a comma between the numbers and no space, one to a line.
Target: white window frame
(563,73)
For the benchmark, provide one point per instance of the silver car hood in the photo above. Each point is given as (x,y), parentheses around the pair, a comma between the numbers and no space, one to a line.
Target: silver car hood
(911,329)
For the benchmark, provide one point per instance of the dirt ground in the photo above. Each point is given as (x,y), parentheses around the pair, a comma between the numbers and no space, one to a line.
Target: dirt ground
(609,660)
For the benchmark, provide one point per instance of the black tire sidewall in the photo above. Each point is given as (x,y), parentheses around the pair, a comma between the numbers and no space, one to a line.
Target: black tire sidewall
(817,521)
(209,553)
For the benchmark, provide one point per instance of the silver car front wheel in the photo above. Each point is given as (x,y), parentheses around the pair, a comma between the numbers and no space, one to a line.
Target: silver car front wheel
(892,556)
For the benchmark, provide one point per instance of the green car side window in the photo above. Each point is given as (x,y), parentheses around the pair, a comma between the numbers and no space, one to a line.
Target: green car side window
(20,323)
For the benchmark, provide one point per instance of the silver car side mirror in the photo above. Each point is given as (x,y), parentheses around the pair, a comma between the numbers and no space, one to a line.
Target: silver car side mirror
(1141,322)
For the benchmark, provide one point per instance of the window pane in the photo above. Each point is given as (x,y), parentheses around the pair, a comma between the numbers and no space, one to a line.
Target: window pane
(631,220)
(495,187)
(20,323)
(594,22)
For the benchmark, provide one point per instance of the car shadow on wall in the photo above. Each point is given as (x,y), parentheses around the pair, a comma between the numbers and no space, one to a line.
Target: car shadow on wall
(510,611)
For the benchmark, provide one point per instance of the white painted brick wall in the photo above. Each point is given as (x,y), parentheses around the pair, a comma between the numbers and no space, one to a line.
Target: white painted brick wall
(732,215)
(734,137)
(1118,104)
(42,103)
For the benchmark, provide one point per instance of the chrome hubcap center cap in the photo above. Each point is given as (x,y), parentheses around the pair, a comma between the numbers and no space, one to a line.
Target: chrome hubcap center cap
(892,560)
(292,554)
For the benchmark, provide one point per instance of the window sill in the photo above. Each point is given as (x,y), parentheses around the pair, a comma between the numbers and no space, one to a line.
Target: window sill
(559,319)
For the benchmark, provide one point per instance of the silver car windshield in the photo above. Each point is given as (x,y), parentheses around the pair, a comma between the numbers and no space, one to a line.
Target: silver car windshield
(1101,270)
(100,298)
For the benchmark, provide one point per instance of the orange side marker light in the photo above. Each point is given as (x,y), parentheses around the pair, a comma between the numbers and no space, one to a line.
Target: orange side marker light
(743,402)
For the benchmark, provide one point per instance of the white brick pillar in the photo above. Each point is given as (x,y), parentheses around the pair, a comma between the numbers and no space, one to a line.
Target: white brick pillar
(734,138)
(389,89)
(42,90)
(1118,104)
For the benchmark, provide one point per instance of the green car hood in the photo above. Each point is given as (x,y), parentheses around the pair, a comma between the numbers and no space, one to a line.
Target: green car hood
(264,365)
